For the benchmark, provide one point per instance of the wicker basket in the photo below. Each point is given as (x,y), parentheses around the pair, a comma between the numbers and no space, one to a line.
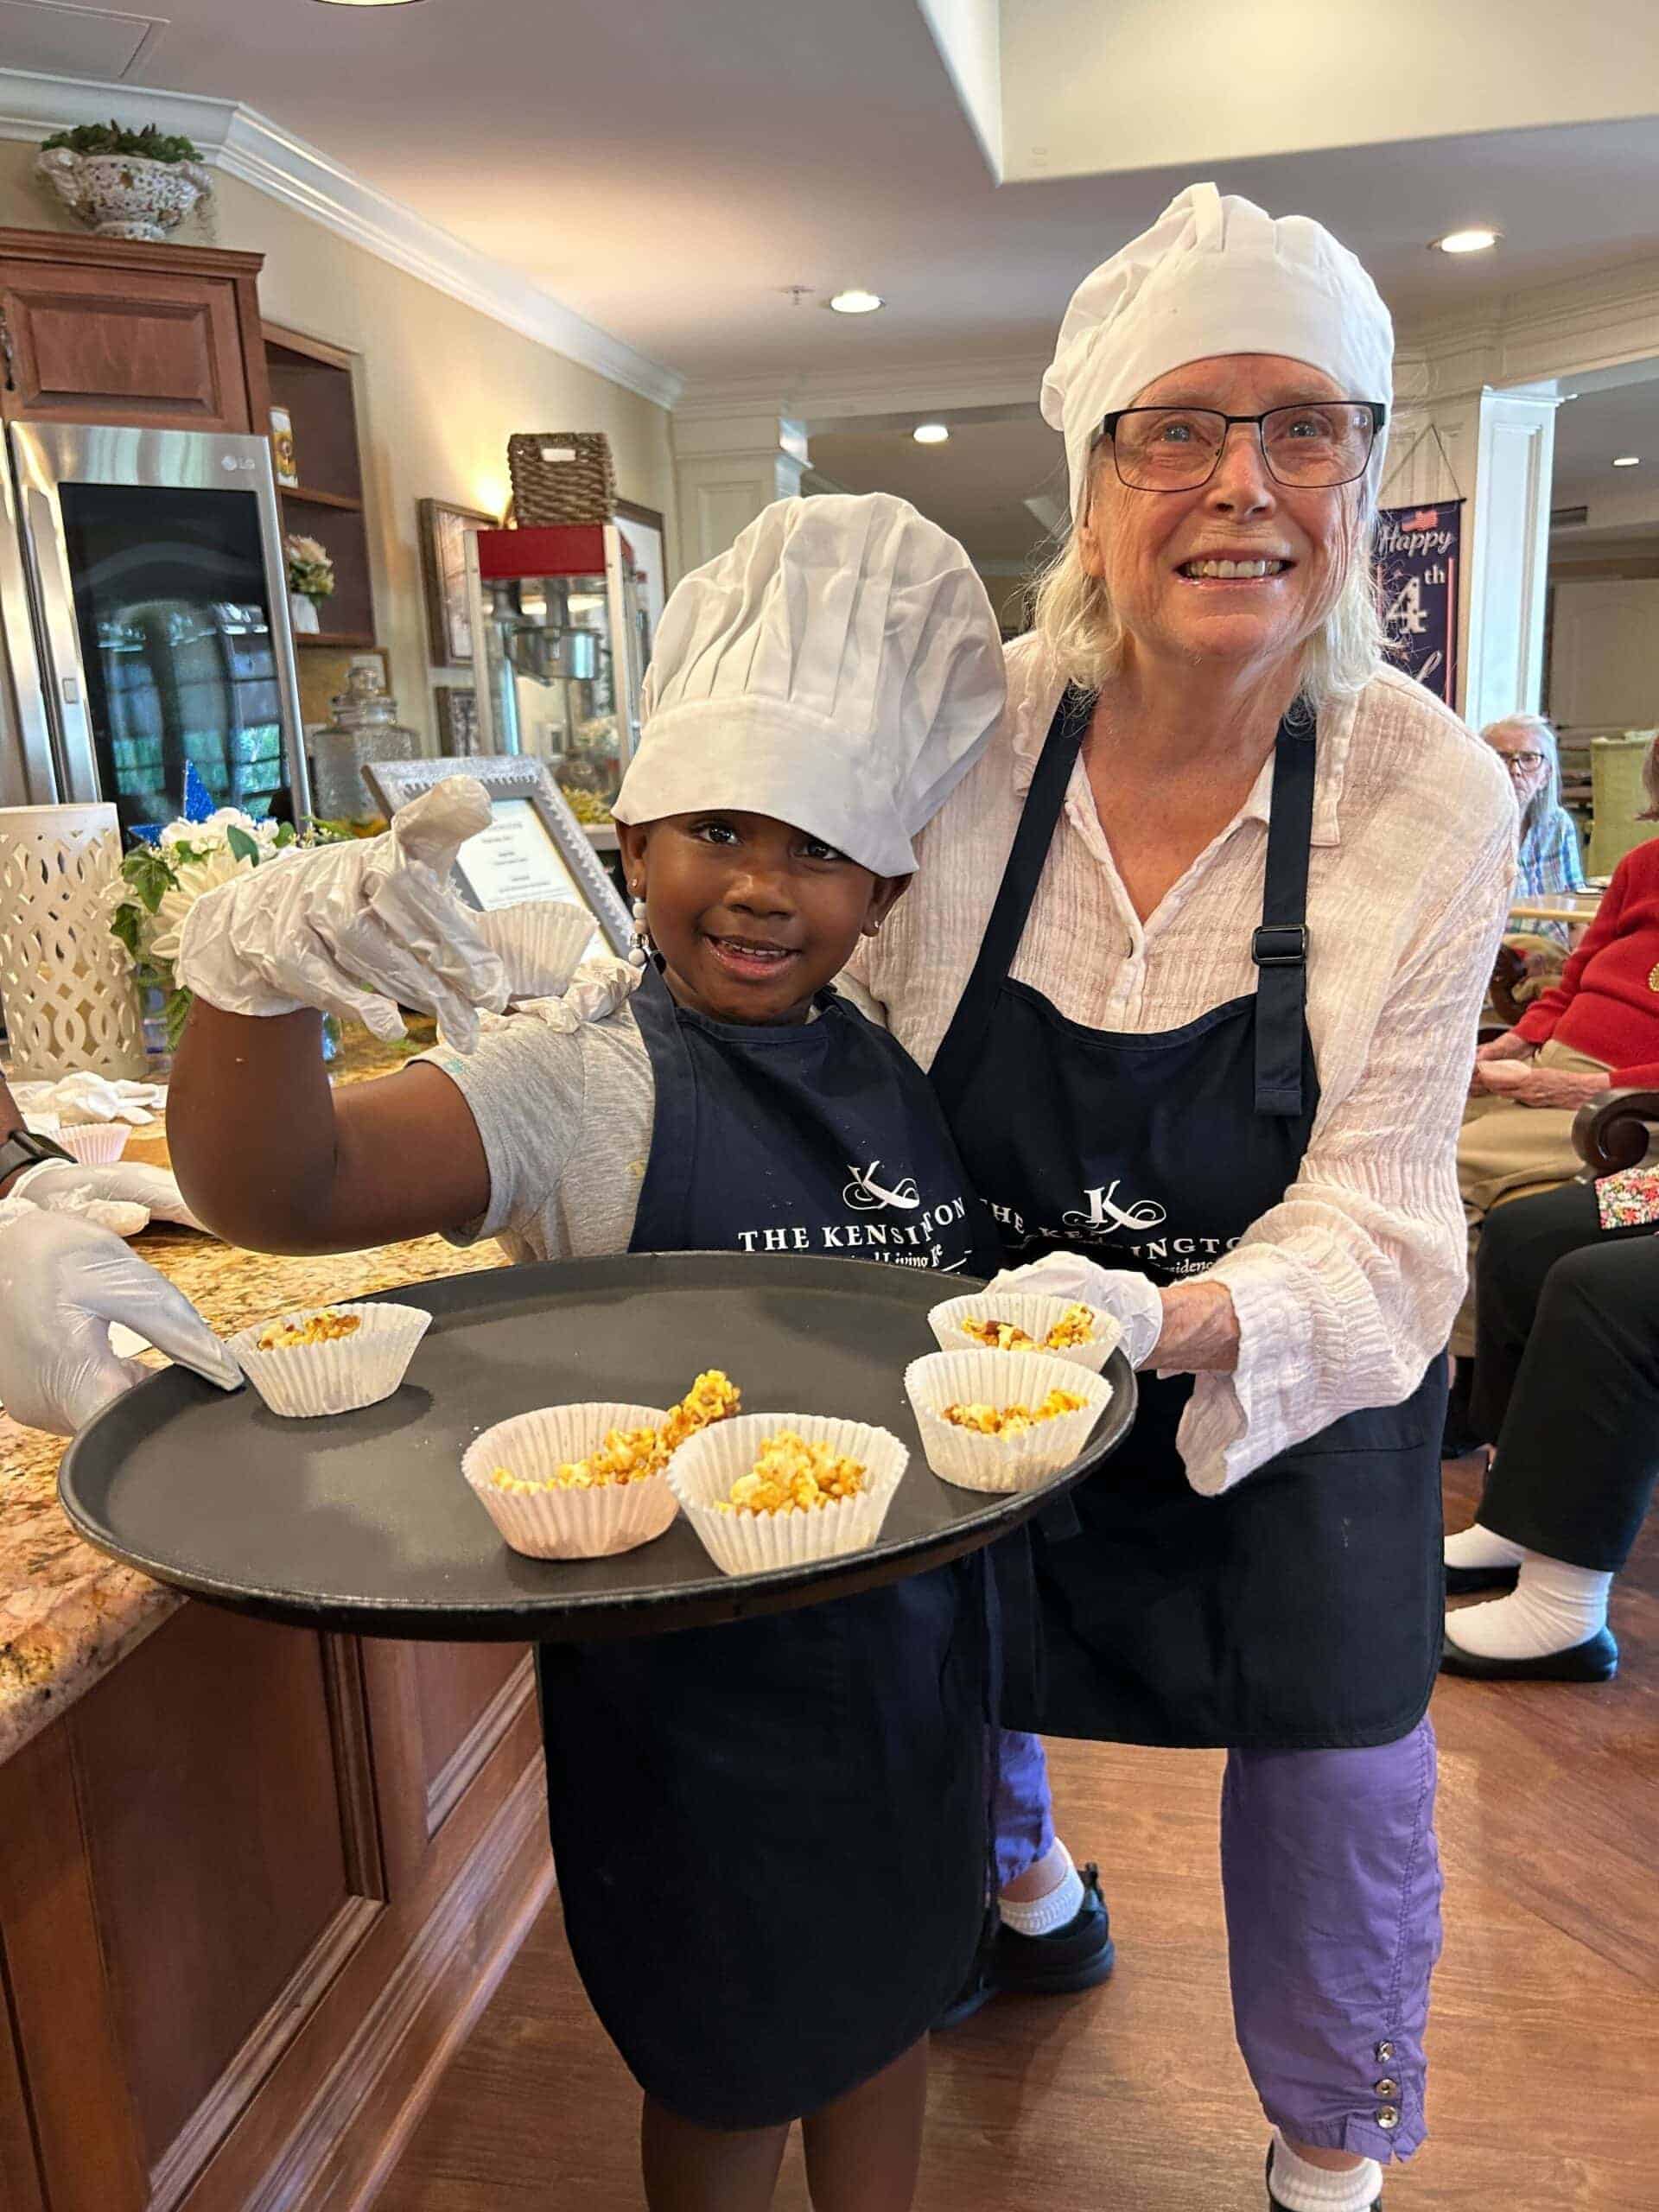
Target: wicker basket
(560,476)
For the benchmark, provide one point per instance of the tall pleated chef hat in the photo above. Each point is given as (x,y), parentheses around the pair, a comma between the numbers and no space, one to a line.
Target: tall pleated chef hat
(839,669)
(1213,276)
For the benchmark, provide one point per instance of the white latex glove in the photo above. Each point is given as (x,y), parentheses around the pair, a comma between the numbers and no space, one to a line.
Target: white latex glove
(127,1188)
(1133,1302)
(354,929)
(87,1097)
(62,1283)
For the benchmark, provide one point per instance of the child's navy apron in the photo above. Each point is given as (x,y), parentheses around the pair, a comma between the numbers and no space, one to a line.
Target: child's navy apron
(770,1837)
(1303,1608)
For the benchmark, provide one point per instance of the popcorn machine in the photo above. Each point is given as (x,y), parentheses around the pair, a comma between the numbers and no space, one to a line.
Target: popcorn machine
(558,648)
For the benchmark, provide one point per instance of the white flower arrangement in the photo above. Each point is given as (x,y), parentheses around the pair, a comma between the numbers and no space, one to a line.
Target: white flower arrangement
(310,567)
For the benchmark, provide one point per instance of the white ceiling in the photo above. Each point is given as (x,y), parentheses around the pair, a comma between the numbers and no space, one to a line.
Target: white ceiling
(976,487)
(668,169)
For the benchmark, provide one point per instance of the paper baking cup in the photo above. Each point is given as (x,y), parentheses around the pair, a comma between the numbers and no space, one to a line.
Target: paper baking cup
(540,945)
(95,1144)
(1000,1378)
(566,1523)
(710,1462)
(341,1376)
(1031,1311)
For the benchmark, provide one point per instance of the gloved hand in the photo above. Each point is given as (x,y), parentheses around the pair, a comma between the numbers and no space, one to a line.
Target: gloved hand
(123,1197)
(354,929)
(62,1283)
(1133,1302)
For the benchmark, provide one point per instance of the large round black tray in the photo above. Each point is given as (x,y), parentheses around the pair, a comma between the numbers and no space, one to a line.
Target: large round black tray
(362,1522)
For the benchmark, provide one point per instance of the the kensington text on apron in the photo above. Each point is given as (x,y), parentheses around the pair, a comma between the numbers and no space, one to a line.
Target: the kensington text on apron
(742,1815)
(1303,1608)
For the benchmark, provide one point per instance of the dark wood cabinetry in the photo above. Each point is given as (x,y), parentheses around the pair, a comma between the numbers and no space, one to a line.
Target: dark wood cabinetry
(313,381)
(252,1888)
(99,330)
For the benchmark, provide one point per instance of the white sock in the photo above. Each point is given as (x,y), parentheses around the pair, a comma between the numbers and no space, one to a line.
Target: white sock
(1301,2188)
(1478,1547)
(1552,1607)
(1057,1905)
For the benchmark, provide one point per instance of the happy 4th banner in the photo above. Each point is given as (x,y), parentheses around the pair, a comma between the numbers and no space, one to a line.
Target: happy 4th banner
(1418,552)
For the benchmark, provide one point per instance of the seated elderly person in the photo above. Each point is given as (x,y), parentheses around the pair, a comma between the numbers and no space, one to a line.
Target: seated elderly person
(1567,1385)
(1598,1027)
(1547,853)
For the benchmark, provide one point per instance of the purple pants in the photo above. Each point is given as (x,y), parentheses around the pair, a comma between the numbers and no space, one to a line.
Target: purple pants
(1331,1881)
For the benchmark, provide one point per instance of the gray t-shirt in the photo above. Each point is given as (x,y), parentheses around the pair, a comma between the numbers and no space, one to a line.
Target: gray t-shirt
(566,1121)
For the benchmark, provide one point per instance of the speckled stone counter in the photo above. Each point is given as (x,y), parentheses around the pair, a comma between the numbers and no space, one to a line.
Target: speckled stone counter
(68,1614)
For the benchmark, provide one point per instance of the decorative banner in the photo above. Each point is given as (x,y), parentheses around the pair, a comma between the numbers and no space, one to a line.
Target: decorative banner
(1418,552)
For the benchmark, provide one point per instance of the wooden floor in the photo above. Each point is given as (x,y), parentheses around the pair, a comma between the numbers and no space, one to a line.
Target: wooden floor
(1545,2043)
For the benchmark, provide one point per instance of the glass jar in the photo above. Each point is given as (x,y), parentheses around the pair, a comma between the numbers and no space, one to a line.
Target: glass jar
(365,727)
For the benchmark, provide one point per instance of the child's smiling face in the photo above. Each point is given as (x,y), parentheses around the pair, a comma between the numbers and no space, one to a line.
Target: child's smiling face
(752,917)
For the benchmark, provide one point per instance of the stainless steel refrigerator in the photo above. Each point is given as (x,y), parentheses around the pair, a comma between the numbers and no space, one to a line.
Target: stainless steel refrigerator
(143,623)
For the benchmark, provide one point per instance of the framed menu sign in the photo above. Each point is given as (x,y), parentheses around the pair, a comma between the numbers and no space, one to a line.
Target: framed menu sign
(533,848)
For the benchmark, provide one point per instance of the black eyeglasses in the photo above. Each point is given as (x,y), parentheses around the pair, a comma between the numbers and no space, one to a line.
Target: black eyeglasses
(1309,448)
(1525,761)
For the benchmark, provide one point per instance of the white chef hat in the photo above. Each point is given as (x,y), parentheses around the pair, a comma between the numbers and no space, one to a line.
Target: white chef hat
(1213,276)
(839,669)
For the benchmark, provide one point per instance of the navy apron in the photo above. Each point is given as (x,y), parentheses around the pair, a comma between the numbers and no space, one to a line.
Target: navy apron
(772,1836)
(1302,1609)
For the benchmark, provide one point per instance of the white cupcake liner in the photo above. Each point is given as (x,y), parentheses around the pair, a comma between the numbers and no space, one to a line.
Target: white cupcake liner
(540,945)
(1034,1312)
(710,1462)
(566,1523)
(338,1377)
(1000,1378)
(95,1144)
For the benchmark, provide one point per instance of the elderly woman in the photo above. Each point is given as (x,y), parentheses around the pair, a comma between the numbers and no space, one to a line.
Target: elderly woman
(1598,1028)
(1546,855)
(1195,958)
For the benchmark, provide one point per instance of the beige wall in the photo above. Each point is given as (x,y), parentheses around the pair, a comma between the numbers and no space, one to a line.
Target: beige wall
(440,389)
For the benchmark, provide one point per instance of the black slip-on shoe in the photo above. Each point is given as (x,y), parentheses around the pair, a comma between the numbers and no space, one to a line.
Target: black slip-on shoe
(1463,1581)
(1066,1960)
(1595,1660)
(1273,2202)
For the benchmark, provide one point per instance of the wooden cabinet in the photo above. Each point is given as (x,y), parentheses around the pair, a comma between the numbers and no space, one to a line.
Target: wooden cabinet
(315,382)
(253,1887)
(101,330)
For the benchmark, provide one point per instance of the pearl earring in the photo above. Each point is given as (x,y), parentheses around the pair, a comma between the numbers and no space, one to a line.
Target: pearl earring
(639,945)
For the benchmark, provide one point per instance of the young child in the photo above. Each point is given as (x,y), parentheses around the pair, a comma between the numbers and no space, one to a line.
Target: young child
(770,1837)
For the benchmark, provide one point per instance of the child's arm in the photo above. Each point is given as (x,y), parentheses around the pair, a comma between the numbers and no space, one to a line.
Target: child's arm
(270,1156)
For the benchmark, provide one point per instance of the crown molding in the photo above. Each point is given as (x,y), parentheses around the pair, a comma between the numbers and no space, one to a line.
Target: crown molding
(250,146)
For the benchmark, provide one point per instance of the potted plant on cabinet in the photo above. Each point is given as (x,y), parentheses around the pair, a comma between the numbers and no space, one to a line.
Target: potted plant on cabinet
(310,579)
(126,184)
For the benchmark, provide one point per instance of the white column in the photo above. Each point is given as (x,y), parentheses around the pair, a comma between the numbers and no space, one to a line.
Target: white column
(1509,552)
(726,468)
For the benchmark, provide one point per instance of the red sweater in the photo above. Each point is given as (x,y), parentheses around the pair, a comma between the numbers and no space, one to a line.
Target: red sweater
(1606,1004)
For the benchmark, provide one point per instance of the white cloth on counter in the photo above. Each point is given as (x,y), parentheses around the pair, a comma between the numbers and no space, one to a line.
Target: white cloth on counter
(839,668)
(1345,1290)
(87,1097)
(1214,275)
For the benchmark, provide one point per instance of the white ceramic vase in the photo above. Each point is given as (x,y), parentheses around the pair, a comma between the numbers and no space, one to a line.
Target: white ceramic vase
(70,999)
(302,612)
(125,195)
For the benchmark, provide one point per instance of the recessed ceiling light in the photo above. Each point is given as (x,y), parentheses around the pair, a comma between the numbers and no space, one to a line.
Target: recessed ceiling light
(857,302)
(370,4)
(1627,461)
(1477,239)
(930,433)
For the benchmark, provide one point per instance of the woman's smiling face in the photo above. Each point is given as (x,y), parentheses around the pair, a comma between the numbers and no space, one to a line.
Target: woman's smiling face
(1161,553)
(751,916)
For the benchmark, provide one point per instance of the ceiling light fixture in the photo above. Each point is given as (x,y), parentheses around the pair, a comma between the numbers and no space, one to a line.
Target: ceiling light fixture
(1627,461)
(930,433)
(369,4)
(1477,239)
(857,302)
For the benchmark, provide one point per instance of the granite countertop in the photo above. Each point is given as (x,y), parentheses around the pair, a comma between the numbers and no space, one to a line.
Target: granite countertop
(68,1614)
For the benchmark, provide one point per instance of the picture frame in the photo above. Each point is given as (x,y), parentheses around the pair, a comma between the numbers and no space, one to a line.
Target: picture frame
(455,717)
(643,528)
(560,860)
(444,529)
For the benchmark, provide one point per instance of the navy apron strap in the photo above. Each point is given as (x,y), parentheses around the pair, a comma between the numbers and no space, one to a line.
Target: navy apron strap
(1280,946)
(658,1218)
(1018,890)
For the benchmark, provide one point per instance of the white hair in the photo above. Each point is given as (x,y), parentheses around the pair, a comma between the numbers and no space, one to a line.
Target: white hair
(1074,614)
(1545,803)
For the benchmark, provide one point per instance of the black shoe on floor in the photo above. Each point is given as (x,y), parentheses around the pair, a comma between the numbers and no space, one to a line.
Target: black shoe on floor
(1595,1660)
(1066,1960)
(1463,1581)
(1273,2202)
